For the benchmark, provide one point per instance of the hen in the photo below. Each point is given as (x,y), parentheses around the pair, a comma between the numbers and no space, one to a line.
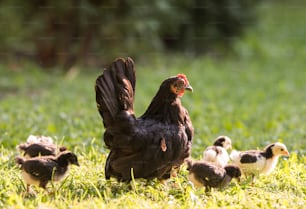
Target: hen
(156,143)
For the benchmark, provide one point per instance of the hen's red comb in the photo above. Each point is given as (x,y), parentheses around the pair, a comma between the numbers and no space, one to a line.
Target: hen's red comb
(183,76)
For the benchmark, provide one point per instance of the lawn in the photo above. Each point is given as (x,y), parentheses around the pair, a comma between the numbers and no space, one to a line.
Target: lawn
(255,96)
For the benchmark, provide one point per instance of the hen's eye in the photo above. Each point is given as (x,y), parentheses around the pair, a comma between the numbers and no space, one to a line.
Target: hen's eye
(179,83)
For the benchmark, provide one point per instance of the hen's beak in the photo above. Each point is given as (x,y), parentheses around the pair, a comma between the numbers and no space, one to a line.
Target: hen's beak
(188,87)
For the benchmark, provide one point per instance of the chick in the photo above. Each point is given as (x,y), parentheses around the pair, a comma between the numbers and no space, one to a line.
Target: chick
(209,175)
(40,170)
(255,162)
(39,146)
(39,139)
(217,153)
(31,150)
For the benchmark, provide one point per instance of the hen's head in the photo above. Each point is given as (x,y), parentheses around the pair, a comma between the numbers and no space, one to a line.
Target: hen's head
(178,85)
(167,96)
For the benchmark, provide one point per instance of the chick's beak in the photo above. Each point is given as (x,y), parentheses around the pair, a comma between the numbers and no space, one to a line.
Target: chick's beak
(188,87)
(286,153)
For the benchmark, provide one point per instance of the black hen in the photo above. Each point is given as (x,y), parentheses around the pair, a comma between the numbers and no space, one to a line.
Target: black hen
(149,146)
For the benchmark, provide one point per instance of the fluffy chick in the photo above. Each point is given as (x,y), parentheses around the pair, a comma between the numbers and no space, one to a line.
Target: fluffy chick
(209,175)
(31,150)
(39,139)
(40,170)
(217,153)
(39,146)
(255,162)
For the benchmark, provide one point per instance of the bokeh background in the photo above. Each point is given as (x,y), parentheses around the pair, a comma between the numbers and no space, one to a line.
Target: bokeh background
(93,32)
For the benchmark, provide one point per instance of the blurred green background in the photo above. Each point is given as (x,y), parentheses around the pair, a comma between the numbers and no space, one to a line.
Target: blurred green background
(92,32)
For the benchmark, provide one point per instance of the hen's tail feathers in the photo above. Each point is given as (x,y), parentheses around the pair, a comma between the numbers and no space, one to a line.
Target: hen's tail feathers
(115,89)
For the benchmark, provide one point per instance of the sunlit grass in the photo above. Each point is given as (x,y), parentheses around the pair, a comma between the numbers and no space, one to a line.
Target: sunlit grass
(86,187)
(255,97)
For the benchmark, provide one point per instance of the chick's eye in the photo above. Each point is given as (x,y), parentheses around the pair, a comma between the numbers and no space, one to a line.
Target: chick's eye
(282,149)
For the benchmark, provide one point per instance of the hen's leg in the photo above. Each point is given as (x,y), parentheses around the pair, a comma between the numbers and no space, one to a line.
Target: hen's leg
(107,167)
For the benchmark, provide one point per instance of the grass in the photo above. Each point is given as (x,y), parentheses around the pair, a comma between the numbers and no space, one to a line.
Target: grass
(256,97)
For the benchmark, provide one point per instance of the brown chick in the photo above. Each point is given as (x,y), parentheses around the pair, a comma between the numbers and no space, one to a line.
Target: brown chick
(209,175)
(40,170)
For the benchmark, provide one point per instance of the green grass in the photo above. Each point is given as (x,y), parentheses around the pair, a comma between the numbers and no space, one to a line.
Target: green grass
(256,96)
